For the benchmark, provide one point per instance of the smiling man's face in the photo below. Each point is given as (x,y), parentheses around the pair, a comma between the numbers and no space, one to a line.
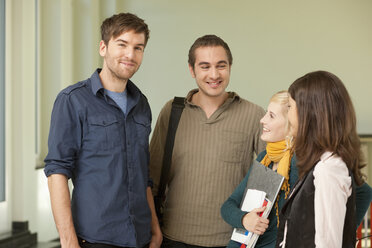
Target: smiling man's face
(211,70)
(123,54)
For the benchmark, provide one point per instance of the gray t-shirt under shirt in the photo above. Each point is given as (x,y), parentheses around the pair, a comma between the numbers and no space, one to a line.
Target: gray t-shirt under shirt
(120,98)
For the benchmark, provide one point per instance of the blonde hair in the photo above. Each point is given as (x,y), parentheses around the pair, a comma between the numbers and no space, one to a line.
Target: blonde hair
(281,98)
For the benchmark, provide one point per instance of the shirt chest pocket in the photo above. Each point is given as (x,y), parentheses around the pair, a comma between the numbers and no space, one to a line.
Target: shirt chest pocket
(233,146)
(103,132)
(143,129)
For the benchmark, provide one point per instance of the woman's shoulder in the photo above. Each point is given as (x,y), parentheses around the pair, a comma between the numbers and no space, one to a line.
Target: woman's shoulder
(331,172)
(331,164)
(261,155)
(293,173)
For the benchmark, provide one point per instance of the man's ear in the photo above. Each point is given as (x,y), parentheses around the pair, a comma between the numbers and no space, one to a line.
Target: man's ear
(191,68)
(102,48)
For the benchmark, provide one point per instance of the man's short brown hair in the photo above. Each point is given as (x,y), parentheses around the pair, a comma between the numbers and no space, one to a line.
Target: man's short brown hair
(209,40)
(123,22)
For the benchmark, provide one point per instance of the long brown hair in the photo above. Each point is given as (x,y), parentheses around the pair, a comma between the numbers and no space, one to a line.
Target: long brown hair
(326,122)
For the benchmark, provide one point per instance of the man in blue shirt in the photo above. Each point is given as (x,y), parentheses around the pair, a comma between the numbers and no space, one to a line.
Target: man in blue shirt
(99,138)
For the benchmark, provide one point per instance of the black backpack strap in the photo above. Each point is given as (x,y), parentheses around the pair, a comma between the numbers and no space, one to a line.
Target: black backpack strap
(178,105)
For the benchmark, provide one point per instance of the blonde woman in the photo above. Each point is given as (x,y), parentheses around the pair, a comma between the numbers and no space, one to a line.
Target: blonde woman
(278,156)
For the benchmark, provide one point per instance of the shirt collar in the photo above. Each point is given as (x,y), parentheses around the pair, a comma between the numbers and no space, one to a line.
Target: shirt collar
(133,93)
(98,87)
(96,82)
(232,97)
(326,155)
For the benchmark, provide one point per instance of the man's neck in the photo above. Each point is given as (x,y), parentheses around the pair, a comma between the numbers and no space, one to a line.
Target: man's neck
(208,103)
(111,82)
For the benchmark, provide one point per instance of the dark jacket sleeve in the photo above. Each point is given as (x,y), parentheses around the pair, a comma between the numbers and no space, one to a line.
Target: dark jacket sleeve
(293,174)
(64,137)
(230,210)
(363,199)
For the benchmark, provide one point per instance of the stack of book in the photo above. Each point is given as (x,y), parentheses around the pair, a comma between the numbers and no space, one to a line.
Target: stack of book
(262,188)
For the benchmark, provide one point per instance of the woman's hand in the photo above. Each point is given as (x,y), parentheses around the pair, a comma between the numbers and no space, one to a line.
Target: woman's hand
(254,223)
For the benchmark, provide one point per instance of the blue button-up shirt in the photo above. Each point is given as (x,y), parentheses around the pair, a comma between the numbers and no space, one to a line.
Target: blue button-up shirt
(106,155)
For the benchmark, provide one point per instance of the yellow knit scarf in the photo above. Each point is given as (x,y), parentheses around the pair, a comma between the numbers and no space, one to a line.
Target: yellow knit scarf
(279,152)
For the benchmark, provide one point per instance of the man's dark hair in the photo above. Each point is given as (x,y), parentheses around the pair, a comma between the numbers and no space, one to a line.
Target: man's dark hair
(209,40)
(115,25)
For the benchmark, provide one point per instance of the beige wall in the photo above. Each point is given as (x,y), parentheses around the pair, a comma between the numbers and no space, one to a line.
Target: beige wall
(273,43)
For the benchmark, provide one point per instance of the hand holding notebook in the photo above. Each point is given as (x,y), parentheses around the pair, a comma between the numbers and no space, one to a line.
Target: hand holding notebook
(262,188)
(253,222)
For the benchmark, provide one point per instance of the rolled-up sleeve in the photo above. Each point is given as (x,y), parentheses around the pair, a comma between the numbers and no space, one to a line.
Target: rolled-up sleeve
(64,137)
